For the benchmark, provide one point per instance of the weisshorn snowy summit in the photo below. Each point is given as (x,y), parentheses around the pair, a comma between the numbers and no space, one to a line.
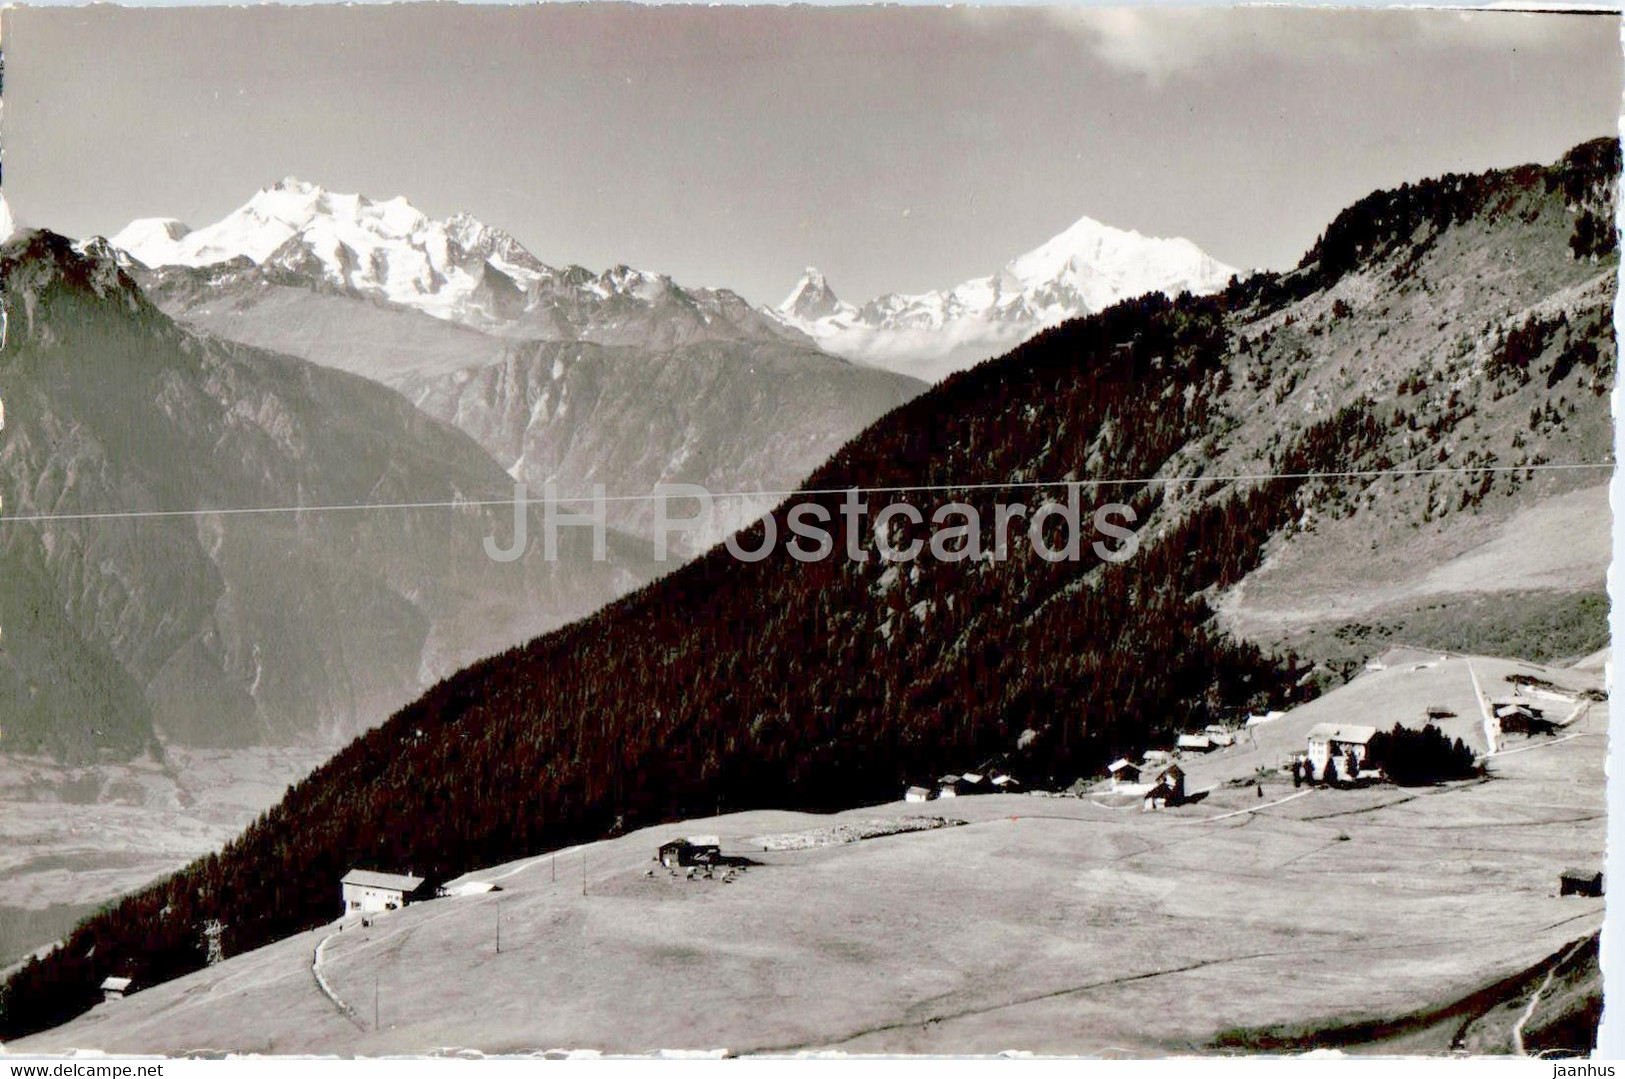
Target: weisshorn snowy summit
(930,335)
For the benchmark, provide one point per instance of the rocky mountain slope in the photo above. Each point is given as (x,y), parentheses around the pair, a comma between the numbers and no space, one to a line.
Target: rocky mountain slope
(1235,426)
(1086,268)
(736,418)
(135,617)
(624,378)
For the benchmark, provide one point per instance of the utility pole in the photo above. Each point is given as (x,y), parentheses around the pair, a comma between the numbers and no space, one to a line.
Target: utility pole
(583,870)
(375,1002)
(499,927)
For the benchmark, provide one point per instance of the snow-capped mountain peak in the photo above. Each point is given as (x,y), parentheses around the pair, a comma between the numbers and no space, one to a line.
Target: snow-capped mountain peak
(1085,268)
(149,234)
(299,234)
(812,298)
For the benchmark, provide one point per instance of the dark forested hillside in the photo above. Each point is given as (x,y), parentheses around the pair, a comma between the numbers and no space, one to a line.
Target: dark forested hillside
(832,683)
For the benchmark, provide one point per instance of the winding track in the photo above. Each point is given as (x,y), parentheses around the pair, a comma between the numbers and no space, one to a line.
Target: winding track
(1534,999)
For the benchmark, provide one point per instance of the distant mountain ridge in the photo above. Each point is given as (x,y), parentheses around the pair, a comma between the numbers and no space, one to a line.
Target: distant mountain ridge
(1084,269)
(466,272)
(734,417)
(460,270)
(233,628)
(563,376)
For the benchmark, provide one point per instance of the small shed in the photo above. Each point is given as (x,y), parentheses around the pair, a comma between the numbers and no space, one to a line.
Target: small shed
(115,988)
(1220,735)
(1580,882)
(690,851)
(951,786)
(1122,770)
(367,892)
(917,794)
(1005,783)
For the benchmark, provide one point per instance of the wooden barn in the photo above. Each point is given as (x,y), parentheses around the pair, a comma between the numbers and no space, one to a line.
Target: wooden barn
(1586,882)
(115,988)
(917,794)
(1518,719)
(367,892)
(691,850)
(1169,789)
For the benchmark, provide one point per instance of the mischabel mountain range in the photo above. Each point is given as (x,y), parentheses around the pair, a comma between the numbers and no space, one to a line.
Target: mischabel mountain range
(1361,446)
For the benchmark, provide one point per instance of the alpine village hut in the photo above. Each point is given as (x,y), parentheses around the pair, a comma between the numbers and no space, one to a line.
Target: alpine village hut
(1168,790)
(1522,719)
(690,851)
(1587,882)
(367,892)
(1194,743)
(1123,771)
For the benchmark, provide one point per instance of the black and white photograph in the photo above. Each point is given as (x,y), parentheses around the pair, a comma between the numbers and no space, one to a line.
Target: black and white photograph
(790,531)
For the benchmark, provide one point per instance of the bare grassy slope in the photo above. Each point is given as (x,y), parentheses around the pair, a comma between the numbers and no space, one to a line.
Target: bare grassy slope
(1051,924)
(1493,347)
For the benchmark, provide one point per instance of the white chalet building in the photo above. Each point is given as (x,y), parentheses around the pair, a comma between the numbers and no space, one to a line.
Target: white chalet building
(366,892)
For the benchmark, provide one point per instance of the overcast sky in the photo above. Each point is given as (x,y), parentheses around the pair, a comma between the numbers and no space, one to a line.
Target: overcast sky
(895,148)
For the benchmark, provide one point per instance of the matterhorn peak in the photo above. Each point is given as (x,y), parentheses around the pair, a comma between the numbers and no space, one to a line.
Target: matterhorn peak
(811,298)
